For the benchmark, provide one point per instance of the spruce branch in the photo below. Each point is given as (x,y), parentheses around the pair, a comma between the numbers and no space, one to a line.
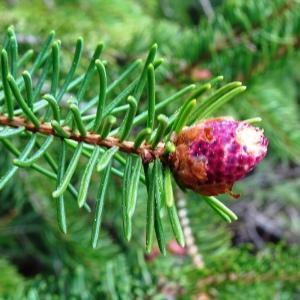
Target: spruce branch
(249,33)
(88,128)
(245,32)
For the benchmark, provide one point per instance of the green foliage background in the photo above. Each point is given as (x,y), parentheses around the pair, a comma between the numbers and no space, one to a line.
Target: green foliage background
(256,42)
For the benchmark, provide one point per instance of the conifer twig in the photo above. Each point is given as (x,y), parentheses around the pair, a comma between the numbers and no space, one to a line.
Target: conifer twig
(145,151)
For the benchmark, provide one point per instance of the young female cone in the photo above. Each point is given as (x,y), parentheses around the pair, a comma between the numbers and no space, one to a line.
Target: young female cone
(212,155)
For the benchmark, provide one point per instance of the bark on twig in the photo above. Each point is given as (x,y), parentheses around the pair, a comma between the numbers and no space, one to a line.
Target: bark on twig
(145,151)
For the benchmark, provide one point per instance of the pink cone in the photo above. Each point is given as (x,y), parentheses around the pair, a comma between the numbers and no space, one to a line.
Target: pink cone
(212,155)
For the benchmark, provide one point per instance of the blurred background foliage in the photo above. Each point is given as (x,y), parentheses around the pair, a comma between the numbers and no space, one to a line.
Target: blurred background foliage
(257,257)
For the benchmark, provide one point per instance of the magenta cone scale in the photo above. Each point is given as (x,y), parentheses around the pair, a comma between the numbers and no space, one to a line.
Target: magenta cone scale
(212,155)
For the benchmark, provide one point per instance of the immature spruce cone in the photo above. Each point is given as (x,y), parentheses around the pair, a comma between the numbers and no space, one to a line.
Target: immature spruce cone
(212,155)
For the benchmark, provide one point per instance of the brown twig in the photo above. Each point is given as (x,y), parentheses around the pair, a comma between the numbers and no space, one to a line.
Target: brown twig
(145,151)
